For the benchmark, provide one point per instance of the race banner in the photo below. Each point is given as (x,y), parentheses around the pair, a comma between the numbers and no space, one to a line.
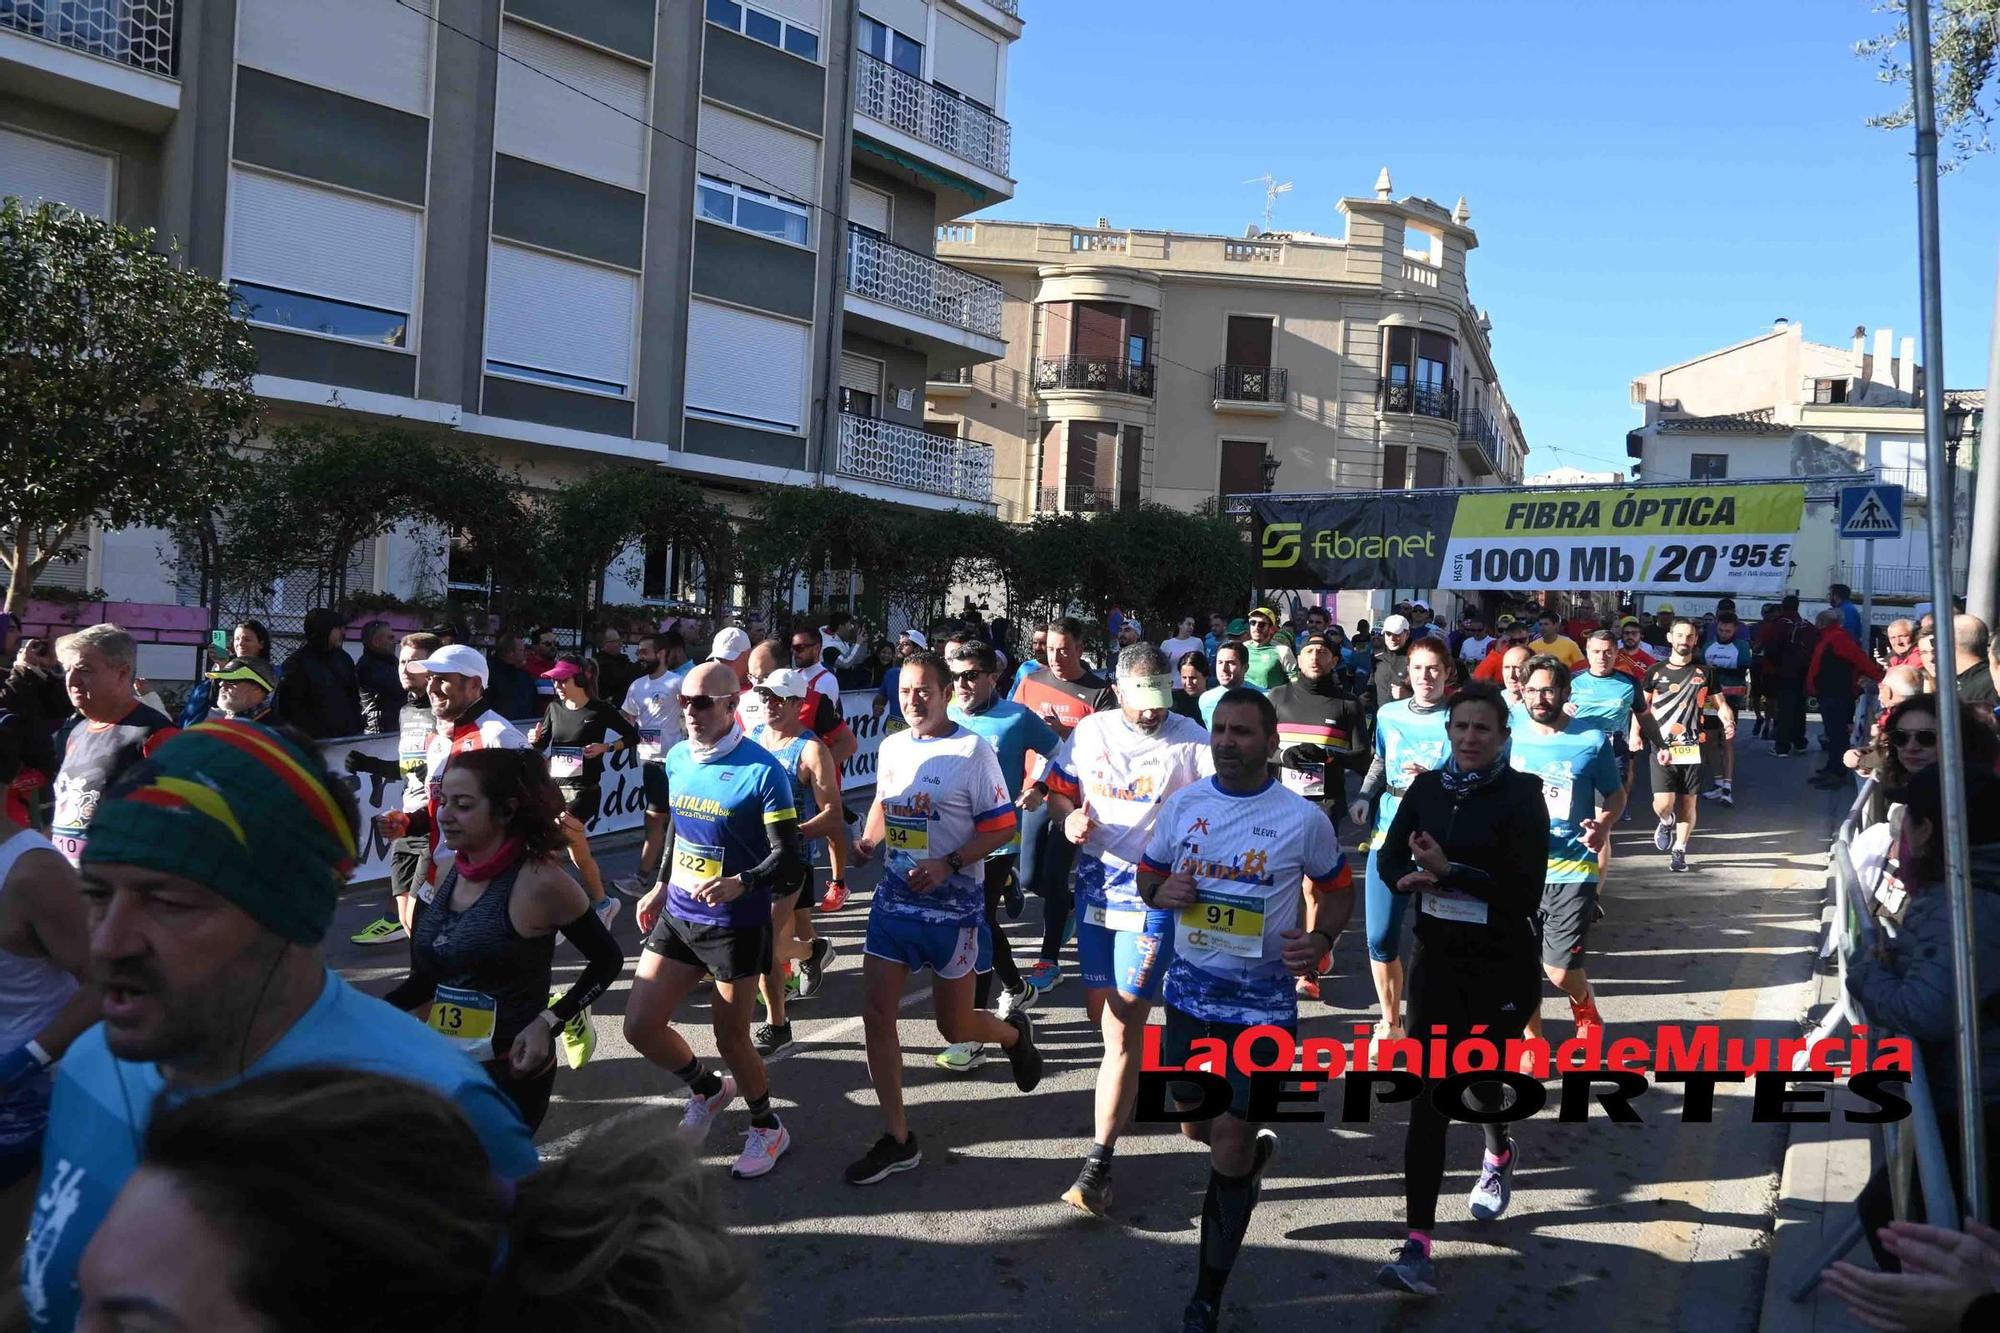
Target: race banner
(1727,539)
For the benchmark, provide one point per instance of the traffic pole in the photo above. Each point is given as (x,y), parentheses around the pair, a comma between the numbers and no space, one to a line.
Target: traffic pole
(1951,742)
(1982,592)
(1868,598)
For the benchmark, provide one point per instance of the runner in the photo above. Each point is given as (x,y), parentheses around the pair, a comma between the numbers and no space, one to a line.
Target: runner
(1321,738)
(1255,879)
(1271,662)
(808,646)
(455,678)
(576,732)
(823,717)
(1232,660)
(1575,762)
(653,704)
(1632,644)
(1604,695)
(1491,671)
(1513,670)
(1677,692)
(482,951)
(816,796)
(1014,733)
(1472,642)
(1553,641)
(409,854)
(1728,655)
(1390,678)
(735,837)
(1106,785)
(940,807)
(1409,739)
(114,731)
(1470,843)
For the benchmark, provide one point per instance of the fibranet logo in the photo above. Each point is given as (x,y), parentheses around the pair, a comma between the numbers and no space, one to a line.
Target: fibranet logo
(1281,545)
(1333,544)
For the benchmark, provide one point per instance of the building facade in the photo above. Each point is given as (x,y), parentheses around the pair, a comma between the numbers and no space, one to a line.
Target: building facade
(692,233)
(1779,405)
(1158,366)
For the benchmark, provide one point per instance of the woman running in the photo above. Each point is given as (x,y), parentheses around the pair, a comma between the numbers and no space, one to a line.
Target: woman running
(576,733)
(1470,843)
(482,949)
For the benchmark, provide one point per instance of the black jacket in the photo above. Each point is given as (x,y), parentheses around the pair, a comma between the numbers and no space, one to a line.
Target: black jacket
(615,674)
(24,704)
(1497,840)
(512,693)
(319,693)
(381,691)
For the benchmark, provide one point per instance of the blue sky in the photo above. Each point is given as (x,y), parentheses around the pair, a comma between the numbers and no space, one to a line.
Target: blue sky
(1648,181)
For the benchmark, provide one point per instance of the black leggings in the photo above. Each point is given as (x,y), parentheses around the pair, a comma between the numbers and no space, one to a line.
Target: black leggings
(529,1095)
(998,871)
(1459,994)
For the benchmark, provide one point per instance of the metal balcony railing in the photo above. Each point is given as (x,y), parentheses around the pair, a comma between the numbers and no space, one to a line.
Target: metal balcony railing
(139,33)
(886,272)
(1420,400)
(1012,7)
(1895,580)
(931,113)
(1476,428)
(1250,384)
(1076,500)
(1099,374)
(889,452)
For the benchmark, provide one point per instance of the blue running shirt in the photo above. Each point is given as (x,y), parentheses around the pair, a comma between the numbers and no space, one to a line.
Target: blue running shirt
(720,809)
(1579,772)
(1405,737)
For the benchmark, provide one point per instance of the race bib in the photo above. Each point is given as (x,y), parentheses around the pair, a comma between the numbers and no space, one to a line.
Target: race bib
(1448,906)
(1557,791)
(465,1019)
(1115,918)
(908,841)
(1305,779)
(70,845)
(1684,754)
(694,866)
(650,748)
(565,762)
(1231,923)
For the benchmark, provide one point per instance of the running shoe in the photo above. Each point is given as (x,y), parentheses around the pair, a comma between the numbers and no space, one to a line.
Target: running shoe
(1495,1189)
(1713,793)
(1781,750)
(1200,1317)
(761,1152)
(1728,796)
(1045,976)
(632,886)
(811,973)
(1015,1001)
(386,931)
(606,909)
(1411,1270)
(963,1058)
(834,898)
(1306,987)
(1265,1149)
(884,1159)
(1092,1191)
(702,1110)
(1011,897)
(579,1036)
(1023,1055)
(770,1038)
(1679,862)
(1585,1015)
(1387,1031)
(1663,835)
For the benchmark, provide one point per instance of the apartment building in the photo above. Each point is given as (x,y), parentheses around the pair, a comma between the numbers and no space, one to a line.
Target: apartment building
(1170,367)
(559,232)
(1780,405)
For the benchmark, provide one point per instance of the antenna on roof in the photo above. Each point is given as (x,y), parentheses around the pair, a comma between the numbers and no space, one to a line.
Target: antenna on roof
(1272,189)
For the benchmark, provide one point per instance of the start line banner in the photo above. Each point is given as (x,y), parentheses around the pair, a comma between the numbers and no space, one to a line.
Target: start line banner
(1703,538)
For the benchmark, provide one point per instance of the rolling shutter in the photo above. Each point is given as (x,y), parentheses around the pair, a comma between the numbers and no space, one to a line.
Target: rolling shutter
(37,169)
(908,17)
(806,13)
(560,314)
(868,208)
(758,154)
(543,121)
(373,49)
(746,365)
(967,61)
(862,374)
(286,234)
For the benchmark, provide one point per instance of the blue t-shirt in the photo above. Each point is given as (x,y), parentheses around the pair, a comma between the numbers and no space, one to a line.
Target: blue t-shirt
(720,809)
(1605,702)
(1012,730)
(101,1107)
(1578,770)
(1213,696)
(1405,737)
(888,690)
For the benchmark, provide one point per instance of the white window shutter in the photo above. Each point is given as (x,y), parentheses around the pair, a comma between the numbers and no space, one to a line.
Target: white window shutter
(863,374)
(743,364)
(542,120)
(560,314)
(869,208)
(758,154)
(909,17)
(377,50)
(806,13)
(38,169)
(287,234)
(967,61)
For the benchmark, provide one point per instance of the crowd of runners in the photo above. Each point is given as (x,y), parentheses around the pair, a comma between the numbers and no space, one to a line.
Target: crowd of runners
(1193,818)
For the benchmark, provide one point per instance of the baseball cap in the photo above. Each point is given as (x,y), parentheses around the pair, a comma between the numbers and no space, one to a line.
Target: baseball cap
(785,683)
(1627,620)
(455,659)
(1322,637)
(1504,621)
(1146,691)
(1239,626)
(1265,612)
(1133,625)
(246,668)
(1420,605)
(731,642)
(1395,624)
(918,637)
(1667,607)
(563,671)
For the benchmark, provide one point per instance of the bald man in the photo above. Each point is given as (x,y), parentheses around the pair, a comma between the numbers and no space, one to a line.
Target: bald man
(1975,674)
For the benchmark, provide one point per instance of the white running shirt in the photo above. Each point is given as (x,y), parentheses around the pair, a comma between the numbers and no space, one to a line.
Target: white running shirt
(655,705)
(1120,776)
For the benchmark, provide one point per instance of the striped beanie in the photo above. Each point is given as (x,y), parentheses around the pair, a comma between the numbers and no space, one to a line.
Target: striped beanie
(240,809)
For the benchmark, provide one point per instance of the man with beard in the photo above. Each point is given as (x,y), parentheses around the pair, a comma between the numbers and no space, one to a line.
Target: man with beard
(455,679)
(1677,692)
(415,725)
(653,702)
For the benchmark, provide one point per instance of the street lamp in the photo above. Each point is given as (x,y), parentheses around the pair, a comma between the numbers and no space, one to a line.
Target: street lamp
(1956,420)
(1270,469)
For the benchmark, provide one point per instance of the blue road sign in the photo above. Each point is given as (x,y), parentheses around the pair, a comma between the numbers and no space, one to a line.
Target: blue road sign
(1871,511)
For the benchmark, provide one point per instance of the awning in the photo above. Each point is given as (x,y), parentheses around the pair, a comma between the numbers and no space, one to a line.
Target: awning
(978,193)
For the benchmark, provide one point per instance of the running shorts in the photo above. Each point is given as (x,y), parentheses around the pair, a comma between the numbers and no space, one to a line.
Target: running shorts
(409,858)
(1177,1044)
(951,950)
(653,779)
(727,953)
(582,803)
(24,1119)
(1676,779)
(1563,922)
(1133,961)
(803,884)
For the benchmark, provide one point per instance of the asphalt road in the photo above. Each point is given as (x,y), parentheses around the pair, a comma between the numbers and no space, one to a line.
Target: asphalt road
(1658,1225)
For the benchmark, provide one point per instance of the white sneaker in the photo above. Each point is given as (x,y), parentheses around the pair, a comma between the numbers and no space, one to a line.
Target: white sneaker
(1015,1002)
(963,1058)
(761,1152)
(701,1111)
(631,886)
(607,909)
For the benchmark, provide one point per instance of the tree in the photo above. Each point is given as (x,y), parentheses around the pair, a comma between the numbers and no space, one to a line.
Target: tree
(1965,41)
(595,517)
(1153,562)
(929,552)
(802,531)
(124,387)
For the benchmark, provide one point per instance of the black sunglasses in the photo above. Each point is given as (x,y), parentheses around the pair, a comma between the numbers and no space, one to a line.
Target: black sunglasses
(700,702)
(965,677)
(1926,738)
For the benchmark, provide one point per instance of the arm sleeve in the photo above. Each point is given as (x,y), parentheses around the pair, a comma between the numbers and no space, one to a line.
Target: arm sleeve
(603,960)
(1377,776)
(787,857)
(624,727)
(1393,859)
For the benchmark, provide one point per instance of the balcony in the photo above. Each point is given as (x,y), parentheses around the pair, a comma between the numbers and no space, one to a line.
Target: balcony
(1479,446)
(915,301)
(1086,374)
(1075,500)
(1902,581)
(1254,390)
(949,383)
(934,118)
(1417,400)
(113,59)
(892,454)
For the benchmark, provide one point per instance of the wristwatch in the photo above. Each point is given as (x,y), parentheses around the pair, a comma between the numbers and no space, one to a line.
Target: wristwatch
(955,861)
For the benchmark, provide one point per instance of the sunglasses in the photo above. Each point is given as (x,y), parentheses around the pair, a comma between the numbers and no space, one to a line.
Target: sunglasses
(805,645)
(1926,738)
(702,702)
(770,697)
(965,677)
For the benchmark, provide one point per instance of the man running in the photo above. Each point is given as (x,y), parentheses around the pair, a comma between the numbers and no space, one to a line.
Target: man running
(1409,739)
(114,730)
(823,719)
(1231,661)
(1106,785)
(735,838)
(1728,655)
(1259,890)
(1554,642)
(941,806)
(1271,662)
(409,854)
(1390,680)
(1677,692)
(1605,696)
(1578,769)
(653,702)
(455,678)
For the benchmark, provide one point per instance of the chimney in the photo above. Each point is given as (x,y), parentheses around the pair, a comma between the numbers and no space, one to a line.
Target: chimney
(1104,224)
(1883,372)
(1779,324)
(1906,366)
(1860,347)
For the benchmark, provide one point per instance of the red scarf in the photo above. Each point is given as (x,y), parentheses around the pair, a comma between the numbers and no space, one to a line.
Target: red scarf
(485,872)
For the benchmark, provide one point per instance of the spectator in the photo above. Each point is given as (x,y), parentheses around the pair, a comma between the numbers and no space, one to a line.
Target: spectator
(615,671)
(1834,674)
(1184,641)
(318,692)
(1785,646)
(844,648)
(247,639)
(375,673)
(542,649)
(30,728)
(243,689)
(1972,641)
(1898,684)
(883,663)
(1949,1279)
(1902,638)
(1840,600)
(511,691)
(447,633)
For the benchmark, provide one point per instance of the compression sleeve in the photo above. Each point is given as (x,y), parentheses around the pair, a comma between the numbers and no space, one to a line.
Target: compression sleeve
(1376,778)
(787,857)
(603,960)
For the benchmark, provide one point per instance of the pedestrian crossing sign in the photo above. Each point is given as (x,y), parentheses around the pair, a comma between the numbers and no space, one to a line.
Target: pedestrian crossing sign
(1870,511)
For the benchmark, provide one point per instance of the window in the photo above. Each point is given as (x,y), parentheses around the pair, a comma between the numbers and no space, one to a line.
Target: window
(754,23)
(597,132)
(860,385)
(40,169)
(559,320)
(378,50)
(1395,467)
(883,42)
(745,366)
(1829,391)
(323,261)
(751,210)
(663,574)
(869,210)
(1430,470)
(1708,467)
(1242,467)
(966,61)
(463,573)
(1131,461)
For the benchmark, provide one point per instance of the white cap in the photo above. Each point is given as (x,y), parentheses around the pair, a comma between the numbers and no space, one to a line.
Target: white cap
(1395,625)
(785,683)
(455,659)
(917,637)
(730,643)
(1146,691)
(1134,626)
(1420,605)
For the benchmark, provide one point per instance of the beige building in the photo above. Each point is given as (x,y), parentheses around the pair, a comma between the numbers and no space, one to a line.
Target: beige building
(1175,368)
